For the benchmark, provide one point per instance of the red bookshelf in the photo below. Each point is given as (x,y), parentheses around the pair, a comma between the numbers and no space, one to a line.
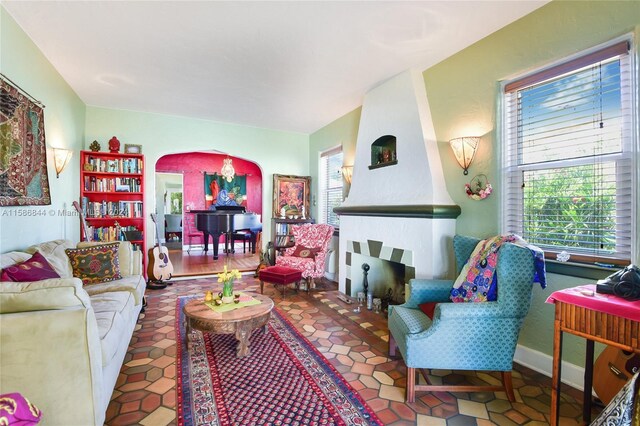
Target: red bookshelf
(112,197)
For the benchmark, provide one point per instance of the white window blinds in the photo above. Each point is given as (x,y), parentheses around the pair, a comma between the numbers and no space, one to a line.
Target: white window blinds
(330,185)
(568,176)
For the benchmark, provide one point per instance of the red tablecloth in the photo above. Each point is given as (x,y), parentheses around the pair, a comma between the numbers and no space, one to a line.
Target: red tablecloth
(586,297)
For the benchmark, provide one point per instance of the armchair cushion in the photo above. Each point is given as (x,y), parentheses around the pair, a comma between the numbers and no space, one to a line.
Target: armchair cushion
(34,269)
(305,252)
(428,308)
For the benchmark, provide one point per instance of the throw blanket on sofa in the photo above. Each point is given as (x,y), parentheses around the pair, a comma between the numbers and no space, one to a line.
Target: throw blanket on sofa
(478,281)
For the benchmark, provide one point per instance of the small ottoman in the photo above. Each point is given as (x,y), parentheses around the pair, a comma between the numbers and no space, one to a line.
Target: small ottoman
(279,275)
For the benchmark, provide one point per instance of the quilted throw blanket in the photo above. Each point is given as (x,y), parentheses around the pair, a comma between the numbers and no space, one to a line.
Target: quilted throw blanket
(478,281)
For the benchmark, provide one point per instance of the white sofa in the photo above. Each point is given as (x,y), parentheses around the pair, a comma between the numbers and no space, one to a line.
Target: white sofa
(62,344)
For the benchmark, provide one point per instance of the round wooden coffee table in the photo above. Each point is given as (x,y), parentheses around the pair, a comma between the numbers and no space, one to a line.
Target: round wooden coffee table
(240,322)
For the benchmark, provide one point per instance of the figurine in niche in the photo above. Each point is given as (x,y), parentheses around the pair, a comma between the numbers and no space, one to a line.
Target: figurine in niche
(393,155)
(95,146)
(114,144)
(303,213)
(283,213)
(386,155)
(379,157)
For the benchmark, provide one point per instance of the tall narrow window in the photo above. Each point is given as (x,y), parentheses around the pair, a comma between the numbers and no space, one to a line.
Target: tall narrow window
(568,176)
(330,185)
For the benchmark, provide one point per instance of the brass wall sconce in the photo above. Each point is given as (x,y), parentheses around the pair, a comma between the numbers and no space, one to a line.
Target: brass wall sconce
(465,149)
(61,157)
(347,173)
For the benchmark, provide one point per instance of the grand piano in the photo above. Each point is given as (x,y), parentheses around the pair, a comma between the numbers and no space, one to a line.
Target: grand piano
(226,220)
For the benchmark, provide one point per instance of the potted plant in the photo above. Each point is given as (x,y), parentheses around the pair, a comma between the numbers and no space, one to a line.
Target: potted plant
(227,278)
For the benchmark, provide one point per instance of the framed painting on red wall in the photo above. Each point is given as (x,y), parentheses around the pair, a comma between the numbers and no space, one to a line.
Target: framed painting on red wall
(291,195)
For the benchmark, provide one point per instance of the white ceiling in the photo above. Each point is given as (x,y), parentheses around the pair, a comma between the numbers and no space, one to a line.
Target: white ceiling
(292,66)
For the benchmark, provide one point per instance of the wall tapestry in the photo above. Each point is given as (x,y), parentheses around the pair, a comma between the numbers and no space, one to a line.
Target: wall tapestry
(23,153)
(219,192)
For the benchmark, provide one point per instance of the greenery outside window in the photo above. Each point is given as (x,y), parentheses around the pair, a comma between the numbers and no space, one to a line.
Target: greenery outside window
(330,185)
(568,176)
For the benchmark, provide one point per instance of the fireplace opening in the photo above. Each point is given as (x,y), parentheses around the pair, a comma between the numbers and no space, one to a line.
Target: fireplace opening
(386,279)
(390,268)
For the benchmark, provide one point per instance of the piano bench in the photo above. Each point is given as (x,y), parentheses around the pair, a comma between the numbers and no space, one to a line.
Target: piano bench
(245,237)
(279,275)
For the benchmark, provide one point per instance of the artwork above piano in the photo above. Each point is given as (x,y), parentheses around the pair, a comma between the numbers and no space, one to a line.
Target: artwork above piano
(220,192)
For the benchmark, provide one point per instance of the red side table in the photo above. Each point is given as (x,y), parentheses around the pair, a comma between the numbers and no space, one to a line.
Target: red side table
(597,317)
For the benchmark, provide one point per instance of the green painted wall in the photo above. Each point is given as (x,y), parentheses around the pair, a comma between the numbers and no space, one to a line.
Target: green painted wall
(64,115)
(274,151)
(463,93)
(343,131)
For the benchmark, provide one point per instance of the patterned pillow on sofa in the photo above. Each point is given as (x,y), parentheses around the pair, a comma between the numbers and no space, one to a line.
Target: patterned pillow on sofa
(15,409)
(34,269)
(95,264)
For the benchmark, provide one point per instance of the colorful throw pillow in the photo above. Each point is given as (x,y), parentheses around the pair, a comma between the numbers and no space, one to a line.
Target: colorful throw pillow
(428,308)
(35,269)
(305,252)
(15,409)
(95,264)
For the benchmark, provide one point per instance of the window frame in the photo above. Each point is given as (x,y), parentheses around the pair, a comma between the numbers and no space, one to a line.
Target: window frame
(564,66)
(322,180)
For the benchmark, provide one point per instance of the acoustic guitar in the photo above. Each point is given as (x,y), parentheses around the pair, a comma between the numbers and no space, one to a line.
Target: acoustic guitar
(263,255)
(160,267)
(612,370)
(85,229)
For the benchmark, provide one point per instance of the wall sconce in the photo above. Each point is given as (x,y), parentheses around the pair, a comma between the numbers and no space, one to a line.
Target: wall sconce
(228,172)
(61,157)
(465,149)
(347,173)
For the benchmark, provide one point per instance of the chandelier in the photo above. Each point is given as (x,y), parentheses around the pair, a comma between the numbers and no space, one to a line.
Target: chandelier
(227,171)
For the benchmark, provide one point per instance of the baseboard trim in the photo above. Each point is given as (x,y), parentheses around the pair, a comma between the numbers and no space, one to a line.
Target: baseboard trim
(572,374)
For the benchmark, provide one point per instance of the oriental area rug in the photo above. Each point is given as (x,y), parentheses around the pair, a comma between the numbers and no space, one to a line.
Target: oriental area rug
(284,380)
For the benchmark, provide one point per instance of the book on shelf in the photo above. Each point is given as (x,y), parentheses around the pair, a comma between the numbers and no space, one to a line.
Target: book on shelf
(113,209)
(98,184)
(110,233)
(119,165)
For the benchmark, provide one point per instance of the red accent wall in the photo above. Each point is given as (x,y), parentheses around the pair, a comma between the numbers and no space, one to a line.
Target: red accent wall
(192,165)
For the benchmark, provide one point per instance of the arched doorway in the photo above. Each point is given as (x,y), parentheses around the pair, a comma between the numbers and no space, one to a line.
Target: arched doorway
(197,170)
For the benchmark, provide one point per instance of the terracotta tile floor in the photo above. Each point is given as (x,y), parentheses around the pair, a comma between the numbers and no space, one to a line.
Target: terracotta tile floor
(356,344)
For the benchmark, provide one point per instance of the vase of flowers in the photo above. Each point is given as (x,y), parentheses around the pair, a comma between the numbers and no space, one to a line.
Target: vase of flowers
(227,278)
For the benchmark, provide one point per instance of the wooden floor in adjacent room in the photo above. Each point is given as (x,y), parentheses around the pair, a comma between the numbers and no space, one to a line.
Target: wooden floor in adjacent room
(198,263)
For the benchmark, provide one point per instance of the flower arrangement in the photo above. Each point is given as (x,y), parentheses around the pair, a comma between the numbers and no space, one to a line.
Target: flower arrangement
(226,278)
(479,188)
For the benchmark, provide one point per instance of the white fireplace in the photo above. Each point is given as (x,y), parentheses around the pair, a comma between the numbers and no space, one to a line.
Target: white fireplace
(398,204)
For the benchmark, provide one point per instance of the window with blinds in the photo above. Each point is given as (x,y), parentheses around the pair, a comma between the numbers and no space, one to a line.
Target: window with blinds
(330,185)
(568,169)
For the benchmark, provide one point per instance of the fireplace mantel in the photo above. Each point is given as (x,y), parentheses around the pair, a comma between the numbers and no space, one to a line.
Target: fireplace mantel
(428,211)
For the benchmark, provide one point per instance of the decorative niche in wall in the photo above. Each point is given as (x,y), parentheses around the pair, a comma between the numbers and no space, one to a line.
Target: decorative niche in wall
(383,152)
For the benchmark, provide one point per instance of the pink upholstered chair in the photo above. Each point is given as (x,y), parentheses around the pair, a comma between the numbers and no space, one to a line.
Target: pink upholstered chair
(316,238)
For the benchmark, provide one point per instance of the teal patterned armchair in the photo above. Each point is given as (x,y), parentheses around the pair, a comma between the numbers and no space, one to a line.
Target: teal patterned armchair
(464,336)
